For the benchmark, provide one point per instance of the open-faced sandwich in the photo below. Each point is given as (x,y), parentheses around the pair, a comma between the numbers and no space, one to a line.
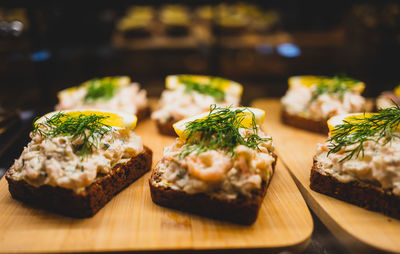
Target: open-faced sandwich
(188,95)
(78,160)
(388,98)
(312,100)
(360,162)
(219,166)
(109,93)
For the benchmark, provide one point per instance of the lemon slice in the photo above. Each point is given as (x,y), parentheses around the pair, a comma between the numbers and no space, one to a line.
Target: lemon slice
(306,81)
(339,119)
(309,81)
(259,116)
(118,81)
(114,119)
(228,86)
(397,91)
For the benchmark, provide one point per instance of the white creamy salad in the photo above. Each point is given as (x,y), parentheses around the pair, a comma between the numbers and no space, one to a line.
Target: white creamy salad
(303,101)
(178,104)
(387,100)
(126,97)
(217,172)
(380,164)
(59,160)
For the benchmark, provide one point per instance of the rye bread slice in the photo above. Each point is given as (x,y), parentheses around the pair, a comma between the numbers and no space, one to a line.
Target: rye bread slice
(305,123)
(359,193)
(143,113)
(166,128)
(92,199)
(242,210)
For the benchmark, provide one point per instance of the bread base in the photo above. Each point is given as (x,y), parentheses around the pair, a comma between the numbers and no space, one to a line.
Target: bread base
(92,199)
(242,210)
(143,113)
(166,128)
(358,193)
(305,123)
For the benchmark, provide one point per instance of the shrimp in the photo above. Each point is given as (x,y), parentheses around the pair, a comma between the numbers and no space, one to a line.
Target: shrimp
(242,162)
(208,166)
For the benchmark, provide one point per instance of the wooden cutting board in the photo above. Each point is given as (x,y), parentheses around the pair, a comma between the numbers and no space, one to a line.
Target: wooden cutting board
(132,222)
(361,229)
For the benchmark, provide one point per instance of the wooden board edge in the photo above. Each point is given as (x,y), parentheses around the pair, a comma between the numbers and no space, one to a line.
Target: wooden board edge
(298,248)
(351,241)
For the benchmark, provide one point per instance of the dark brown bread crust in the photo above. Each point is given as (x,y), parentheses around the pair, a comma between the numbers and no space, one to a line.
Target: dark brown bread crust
(358,193)
(166,128)
(305,123)
(143,113)
(242,210)
(92,199)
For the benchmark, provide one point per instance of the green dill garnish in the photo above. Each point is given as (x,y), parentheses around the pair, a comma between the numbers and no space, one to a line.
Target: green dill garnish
(212,89)
(376,127)
(89,128)
(100,89)
(336,85)
(220,131)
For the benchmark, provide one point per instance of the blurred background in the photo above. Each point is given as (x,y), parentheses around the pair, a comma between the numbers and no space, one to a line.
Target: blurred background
(50,45)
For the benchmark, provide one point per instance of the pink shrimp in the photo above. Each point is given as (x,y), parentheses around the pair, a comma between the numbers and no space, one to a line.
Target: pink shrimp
(209,166)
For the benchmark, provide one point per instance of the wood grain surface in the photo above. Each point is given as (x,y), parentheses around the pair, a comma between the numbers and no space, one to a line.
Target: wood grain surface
(132,222)
(360,229)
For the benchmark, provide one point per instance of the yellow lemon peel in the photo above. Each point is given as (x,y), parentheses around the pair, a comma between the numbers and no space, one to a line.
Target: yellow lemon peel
(259,116)
(114,119)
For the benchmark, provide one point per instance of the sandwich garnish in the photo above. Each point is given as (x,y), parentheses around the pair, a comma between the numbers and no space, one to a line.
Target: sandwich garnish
(396,90)
(336,85)
(88,128)
(212,88)
(220,130)
(100,89)
(355,130)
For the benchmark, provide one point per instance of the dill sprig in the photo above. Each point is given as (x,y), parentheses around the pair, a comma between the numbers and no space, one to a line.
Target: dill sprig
(100,89)
(210,89)
(89,128)
(336,85)
(220,131)
(376,127)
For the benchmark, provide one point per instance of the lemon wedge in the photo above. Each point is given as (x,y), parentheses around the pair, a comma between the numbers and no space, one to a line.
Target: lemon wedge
(397,91)
(118,81)
(114,119)
(339,119)
(259,116)
(306,81)
(309,81)
(228,86)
